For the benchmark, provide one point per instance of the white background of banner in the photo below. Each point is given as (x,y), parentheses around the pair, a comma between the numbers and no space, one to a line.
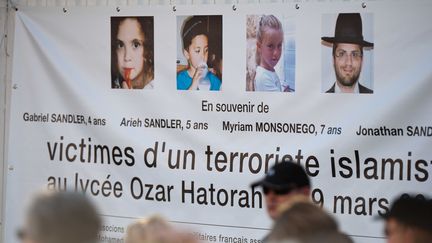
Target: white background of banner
(62,65)
(3,31)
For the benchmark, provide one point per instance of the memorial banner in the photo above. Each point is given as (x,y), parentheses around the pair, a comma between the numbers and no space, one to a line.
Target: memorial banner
(176,111)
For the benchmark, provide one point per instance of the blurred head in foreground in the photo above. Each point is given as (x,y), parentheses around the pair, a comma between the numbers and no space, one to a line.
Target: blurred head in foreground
(155,229)
(61,217)
(409,220)
(283,181)
(305,222)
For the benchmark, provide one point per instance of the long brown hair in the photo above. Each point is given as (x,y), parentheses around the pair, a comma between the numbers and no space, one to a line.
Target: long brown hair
(147,28)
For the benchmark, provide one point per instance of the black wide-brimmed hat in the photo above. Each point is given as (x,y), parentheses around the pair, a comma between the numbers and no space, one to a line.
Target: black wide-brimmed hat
(348,30)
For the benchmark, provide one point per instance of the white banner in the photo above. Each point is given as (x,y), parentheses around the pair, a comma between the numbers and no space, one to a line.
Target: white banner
(191,155)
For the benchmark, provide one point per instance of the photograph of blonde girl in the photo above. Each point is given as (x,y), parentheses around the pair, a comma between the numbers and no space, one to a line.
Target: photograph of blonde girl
(199,53)
(132,58)
(270,54)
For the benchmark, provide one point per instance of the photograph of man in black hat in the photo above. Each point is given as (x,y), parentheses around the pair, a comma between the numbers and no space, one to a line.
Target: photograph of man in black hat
(348,45)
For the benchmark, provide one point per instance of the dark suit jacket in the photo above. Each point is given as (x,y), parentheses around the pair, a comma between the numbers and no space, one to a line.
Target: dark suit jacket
(362,89)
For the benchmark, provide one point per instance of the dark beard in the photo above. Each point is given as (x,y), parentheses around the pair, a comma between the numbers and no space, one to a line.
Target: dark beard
(347,81)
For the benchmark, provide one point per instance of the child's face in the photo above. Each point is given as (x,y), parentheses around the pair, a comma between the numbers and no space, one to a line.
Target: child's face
(130,48)
(270,48)
(197,51)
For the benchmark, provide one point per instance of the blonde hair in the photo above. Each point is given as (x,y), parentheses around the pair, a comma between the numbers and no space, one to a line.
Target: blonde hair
(266,21)
(154,229)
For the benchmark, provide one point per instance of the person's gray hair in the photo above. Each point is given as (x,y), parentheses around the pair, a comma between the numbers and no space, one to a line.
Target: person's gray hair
(305,222)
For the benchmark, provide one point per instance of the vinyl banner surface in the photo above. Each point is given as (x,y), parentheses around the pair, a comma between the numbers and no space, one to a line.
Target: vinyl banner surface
(149,110)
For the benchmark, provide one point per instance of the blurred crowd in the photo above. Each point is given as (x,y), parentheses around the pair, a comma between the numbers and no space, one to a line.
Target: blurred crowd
(67,217)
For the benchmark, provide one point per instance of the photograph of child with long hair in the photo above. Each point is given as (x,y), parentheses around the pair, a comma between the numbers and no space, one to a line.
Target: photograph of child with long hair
(199,55)
(270,63)
(132,58)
